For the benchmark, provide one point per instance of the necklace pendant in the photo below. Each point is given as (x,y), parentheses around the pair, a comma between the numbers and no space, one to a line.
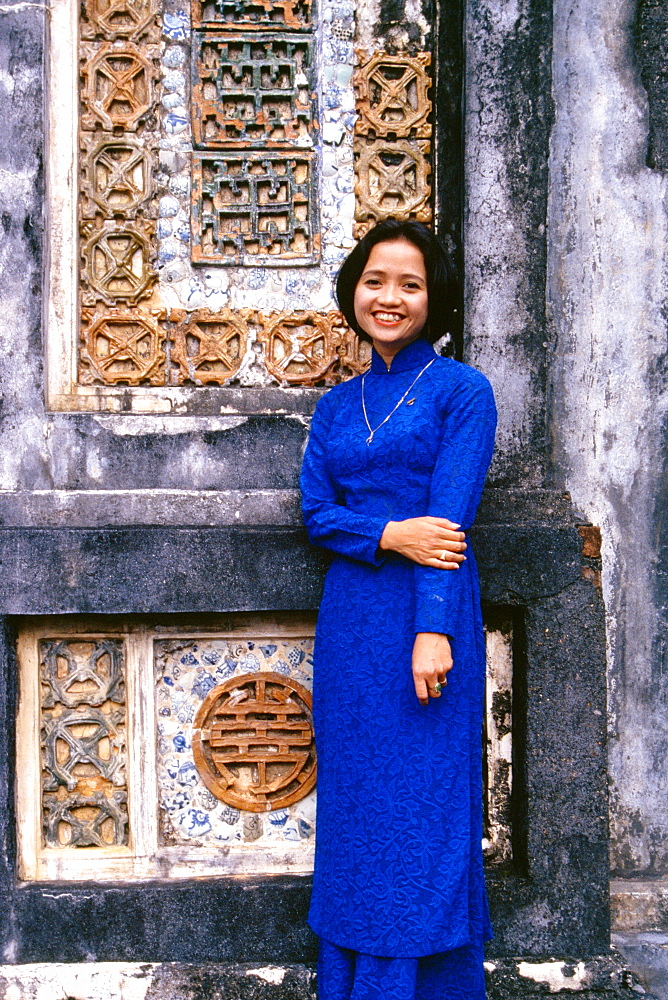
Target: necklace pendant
(370,438)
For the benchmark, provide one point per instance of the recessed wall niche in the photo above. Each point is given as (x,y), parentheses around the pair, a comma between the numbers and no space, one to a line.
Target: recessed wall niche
(183,747)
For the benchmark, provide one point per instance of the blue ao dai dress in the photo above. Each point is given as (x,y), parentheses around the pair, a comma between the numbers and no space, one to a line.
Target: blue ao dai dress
(398,869)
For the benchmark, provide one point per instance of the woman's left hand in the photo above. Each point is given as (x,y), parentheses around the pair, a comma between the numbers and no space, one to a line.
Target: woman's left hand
(432,660)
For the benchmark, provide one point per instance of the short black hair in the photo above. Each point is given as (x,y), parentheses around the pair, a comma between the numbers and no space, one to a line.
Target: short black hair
(441,276)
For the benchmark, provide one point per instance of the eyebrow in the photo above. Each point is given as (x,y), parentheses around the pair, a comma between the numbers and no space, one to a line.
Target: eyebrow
(379,271)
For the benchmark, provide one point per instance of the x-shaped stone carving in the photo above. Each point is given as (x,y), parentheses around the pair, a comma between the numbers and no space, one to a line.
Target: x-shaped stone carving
(393,95)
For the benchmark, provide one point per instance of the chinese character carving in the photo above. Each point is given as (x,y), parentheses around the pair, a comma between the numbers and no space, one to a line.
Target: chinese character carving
(262,14)
(118,262)
(122,348)
(393,95)
(73,678)
(118,87)
(303,348)
(254,208)
(94,820)
(113,19)
(252,90)
(253,742)
(392,179)
(117,178)
(208,348)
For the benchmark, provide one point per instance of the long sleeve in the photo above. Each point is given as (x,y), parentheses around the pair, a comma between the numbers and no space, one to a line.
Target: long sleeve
(329,523)
(456,487)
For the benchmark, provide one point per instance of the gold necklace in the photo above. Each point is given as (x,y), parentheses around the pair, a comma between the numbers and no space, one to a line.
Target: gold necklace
(372,430)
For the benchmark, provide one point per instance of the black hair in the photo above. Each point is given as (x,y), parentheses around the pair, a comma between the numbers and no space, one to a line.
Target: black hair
(441,278)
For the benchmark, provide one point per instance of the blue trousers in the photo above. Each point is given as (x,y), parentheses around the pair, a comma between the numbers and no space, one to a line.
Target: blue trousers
(351,975)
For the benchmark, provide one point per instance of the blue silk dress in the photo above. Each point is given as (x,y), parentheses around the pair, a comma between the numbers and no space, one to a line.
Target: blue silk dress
(398,893)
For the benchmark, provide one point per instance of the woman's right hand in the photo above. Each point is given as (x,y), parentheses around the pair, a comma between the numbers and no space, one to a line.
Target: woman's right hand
(429,541)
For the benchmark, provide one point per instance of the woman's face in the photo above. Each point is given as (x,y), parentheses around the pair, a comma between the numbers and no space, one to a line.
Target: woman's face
(391,296)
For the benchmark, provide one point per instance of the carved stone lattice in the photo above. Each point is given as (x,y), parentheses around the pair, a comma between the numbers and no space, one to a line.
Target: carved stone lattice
(82,674)
(122,348)
(252,90)
(86,820)
(392,179)
(208,348)
(83,723)
(253,742)
(392,94)
(245,14)
(118,90)
(118,262)
(79,742)
(303,348)
(113,19)
(254,208)
(117,178)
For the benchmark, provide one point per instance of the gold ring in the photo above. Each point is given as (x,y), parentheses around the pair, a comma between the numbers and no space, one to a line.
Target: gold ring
(444,556)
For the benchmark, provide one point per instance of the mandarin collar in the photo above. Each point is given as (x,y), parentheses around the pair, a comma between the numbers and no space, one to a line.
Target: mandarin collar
(414,355)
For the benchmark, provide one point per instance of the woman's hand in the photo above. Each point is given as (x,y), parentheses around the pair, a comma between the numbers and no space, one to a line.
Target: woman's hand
(429,541)
(432,660)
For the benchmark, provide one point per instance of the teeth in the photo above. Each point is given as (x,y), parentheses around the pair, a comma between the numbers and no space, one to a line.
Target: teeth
(390,317)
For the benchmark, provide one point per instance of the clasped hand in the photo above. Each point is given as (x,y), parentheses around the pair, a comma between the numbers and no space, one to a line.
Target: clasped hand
(435,542)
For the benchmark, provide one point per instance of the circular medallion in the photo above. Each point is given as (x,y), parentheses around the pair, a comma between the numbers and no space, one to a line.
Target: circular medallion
(253,742)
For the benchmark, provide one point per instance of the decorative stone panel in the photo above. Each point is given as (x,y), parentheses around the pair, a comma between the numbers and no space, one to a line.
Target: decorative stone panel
(192,677)
(254,208)
(116,178)
(392,154)
(392,93)
(83,735)
(257,14)
(112,19)
(119,86)
(208,348)
(392,179)
(118,262)
(304,348)
(253,91)
(122,348)
(253,742)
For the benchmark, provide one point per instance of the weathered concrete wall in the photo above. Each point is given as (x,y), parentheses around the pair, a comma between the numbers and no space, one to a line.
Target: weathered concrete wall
(608,253)
(507,126)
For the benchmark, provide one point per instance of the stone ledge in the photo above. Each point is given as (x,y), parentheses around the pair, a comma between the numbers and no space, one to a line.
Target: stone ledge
(591,979)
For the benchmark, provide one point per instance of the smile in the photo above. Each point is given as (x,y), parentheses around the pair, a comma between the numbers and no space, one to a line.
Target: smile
(384,317)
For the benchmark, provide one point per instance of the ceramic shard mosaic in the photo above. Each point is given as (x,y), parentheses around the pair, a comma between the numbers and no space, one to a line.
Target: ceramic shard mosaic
(83,732)
(253,91)
(188,672)
(229,153)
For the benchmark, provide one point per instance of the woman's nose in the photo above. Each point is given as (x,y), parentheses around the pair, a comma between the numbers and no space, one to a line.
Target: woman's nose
(389,294)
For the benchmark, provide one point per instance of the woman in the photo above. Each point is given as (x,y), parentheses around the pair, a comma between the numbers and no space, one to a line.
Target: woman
(394,467)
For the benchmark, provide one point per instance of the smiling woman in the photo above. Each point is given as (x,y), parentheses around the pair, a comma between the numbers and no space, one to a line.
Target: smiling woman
(393,470)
